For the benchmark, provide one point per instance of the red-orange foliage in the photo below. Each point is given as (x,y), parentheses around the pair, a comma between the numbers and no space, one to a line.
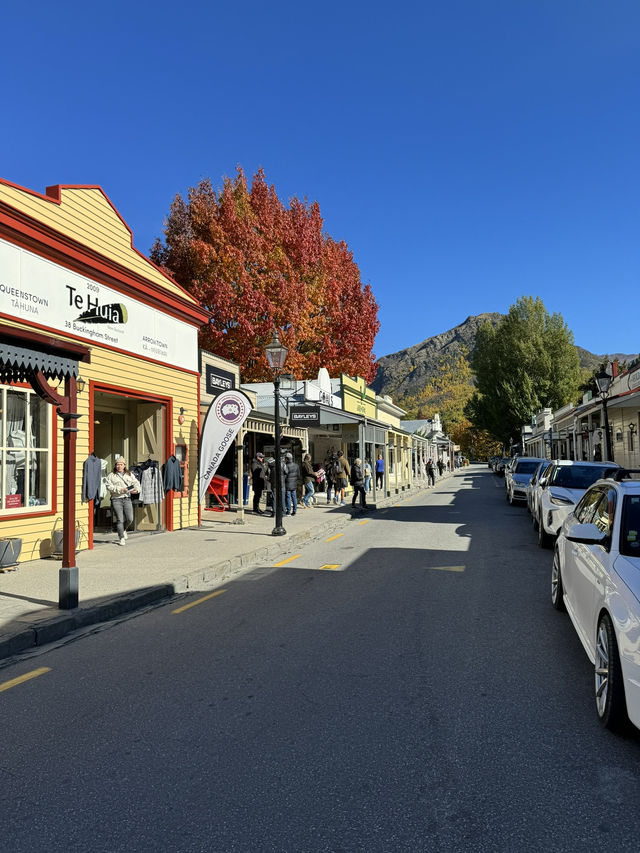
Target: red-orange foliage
(257,265)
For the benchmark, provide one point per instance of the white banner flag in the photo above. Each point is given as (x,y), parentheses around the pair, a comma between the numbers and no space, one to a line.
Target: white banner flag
(226,415)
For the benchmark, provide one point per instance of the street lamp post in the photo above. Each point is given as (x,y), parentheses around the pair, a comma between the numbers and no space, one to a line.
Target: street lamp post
(603,380)
(276,356)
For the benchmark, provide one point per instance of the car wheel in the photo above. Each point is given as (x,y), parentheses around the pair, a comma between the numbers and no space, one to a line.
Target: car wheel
(609,687)
(544,540)
(557,590)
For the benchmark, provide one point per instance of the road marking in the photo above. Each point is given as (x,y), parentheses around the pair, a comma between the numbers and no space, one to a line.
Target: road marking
(288,560)
(331,567)
(366,521)
(337,536)
(199,601)
(22,678)
(447,568)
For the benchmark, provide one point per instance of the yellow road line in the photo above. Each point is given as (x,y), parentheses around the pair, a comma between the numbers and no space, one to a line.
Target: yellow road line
(199,601)
(330,567)
(366,521)
(22,678)
(337,536)
(288,560)
(447,568)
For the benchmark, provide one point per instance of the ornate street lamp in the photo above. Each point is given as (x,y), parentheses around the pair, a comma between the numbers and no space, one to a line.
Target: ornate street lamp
(603,380)
(276,356)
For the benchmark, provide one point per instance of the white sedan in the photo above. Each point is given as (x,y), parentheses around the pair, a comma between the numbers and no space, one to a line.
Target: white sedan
(596,577)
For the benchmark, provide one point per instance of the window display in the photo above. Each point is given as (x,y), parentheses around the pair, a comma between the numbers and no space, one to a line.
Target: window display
(25,437)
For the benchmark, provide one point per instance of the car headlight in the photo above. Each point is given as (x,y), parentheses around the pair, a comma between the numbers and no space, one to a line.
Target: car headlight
(561,501)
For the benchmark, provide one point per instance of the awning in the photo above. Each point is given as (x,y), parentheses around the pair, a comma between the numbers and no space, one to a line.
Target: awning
(17,363)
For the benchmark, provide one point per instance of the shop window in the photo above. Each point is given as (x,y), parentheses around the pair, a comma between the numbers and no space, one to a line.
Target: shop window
(25,451)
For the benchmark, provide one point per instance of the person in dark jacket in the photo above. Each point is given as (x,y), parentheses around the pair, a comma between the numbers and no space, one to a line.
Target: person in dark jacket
(309,478)
(292,471)
(258,476)
(431,472)
(440,464)
(357,481)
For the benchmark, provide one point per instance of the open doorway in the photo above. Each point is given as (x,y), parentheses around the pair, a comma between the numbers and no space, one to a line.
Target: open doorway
(134,428)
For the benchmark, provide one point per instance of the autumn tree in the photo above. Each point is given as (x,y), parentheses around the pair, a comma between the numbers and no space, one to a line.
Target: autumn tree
(448,390)
(526,363)
(257,265)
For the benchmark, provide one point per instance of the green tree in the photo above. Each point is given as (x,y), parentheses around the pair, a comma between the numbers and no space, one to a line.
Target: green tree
(526,363)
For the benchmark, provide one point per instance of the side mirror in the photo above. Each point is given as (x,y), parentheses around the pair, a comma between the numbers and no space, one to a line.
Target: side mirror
(586,534)
(542,482)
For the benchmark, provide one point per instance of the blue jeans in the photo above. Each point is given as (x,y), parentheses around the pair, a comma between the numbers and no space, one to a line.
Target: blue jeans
(308,493)
(292,498)
(367,484)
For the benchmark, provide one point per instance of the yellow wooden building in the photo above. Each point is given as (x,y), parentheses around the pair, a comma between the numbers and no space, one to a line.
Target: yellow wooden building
(74,290)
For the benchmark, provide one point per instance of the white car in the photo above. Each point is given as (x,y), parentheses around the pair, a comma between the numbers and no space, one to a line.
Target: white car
(532,490)
(517,477)
(561,488)
(596,578)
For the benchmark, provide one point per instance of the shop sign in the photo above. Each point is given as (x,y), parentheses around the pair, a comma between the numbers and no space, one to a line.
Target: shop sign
(225,416)
(13,501)
(634,379)
(39,291)
(304,416)
(218,380)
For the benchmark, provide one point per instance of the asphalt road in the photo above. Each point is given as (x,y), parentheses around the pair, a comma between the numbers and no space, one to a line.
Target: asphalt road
(420,694)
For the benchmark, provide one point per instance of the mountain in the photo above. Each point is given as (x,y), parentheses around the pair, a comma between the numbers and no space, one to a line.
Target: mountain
(409,370)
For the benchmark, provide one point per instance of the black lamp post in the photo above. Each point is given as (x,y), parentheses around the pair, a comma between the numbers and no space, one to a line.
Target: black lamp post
(604,383)
(276,356)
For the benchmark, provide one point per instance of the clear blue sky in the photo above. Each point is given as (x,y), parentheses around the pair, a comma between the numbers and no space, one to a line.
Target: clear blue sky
(468,151)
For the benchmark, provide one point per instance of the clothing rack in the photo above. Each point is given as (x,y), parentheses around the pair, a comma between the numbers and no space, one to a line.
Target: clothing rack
(137,468)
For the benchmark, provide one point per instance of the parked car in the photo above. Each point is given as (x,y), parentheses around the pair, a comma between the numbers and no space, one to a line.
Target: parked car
(532,490)
(596,577)
(561,488)
(517,476)
(500,465)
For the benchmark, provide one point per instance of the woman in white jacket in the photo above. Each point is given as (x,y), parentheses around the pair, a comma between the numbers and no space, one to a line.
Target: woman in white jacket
(122,484)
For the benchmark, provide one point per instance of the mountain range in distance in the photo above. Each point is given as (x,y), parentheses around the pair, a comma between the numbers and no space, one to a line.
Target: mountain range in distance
(406,372)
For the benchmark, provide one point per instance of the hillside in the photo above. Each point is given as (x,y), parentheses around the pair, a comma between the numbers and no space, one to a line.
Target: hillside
(406,372)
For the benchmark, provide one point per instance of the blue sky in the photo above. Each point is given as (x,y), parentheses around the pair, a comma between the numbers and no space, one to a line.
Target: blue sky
(468,151)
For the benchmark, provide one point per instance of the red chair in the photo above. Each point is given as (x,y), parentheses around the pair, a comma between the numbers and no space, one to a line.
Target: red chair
(219,488)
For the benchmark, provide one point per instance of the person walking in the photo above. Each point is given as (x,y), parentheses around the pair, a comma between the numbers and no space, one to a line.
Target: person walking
(431,472)
(367,476)
(379,471)
(440,466)
(309,478)
(292,471)
(343,471)
(258,476)
(357,481)
(121,485)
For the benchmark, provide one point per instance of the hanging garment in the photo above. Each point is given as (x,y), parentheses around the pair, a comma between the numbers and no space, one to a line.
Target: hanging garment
(91,478)
(151,491)
(172,477)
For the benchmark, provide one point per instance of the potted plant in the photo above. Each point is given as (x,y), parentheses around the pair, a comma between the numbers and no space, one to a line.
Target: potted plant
(10,547)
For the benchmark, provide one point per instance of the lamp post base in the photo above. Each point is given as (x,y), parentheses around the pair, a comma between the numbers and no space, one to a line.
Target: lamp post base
(278,531)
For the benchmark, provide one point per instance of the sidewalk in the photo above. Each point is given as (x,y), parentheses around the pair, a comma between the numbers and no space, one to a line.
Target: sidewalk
(114,581)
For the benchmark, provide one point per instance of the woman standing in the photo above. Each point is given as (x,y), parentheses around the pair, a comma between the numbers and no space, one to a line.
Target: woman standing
(122,485)
(379,471)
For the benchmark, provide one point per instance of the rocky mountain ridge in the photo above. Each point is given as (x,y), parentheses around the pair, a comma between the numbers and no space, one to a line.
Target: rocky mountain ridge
(409,370)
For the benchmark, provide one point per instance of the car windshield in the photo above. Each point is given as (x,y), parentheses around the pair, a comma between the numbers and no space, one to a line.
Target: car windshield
(577,476)
(630,533)
(527,466)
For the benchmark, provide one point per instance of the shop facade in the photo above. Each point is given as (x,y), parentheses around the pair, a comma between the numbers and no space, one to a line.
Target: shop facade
(116,339)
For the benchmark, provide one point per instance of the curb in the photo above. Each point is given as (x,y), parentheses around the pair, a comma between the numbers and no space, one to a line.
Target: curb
(38,630)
